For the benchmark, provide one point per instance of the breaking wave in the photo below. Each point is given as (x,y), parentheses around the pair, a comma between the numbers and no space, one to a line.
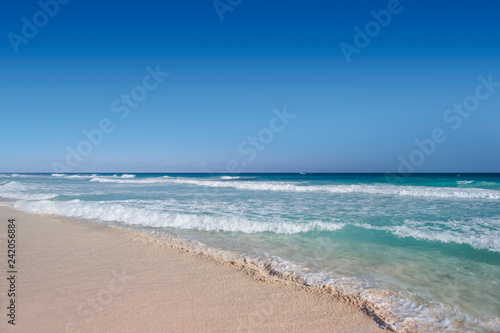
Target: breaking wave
(113,212)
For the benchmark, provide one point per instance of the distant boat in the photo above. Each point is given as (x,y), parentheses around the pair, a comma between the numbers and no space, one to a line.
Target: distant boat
(303,173)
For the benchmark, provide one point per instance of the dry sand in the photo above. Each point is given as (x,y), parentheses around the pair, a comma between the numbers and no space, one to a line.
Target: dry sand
(80,277)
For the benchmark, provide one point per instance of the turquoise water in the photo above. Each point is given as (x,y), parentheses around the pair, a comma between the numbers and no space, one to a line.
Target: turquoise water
(426,246)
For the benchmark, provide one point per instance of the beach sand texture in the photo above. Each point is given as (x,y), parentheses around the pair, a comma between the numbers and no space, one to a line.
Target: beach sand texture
(80,277)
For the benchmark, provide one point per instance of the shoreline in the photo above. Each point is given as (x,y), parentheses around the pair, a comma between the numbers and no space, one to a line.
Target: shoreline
(83,277)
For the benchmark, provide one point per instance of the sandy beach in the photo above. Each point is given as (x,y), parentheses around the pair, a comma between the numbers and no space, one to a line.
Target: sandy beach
(80,277)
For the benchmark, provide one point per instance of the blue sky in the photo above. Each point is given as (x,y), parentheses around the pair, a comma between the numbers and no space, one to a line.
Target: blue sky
(227,76)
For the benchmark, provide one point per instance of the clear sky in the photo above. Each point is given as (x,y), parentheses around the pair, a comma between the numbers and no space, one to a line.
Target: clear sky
(228,79)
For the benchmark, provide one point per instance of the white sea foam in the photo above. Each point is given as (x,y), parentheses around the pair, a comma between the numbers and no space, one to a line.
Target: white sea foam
(80,176)
(488,240)
(16,190)
(473,233)
(129,180)
(16,175)
(105,211)
(69,176)
(477,184)
(464,182)
(380,189)
(127,176)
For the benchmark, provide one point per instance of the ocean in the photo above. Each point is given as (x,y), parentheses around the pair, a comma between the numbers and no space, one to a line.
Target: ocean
(425,247)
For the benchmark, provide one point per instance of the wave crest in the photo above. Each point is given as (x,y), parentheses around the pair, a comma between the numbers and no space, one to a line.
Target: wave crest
(19,191)
(381,189)
(113,212)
